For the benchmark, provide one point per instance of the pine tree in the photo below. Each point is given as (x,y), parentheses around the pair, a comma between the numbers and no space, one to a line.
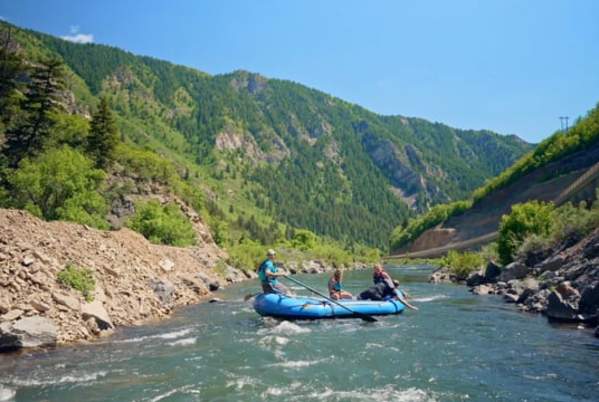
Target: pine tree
(12,68)
(103,137)
(42,98)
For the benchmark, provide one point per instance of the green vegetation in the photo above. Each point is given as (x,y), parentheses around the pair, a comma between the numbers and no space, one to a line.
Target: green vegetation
(461,264)
(584,133)
(419,224)
(568,222)
(81,279)
(60,184)
(162,224)
(103,137)
(528,219)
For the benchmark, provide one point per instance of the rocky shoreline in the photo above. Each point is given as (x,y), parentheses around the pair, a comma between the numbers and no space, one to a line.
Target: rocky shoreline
(562,283)
(136,281)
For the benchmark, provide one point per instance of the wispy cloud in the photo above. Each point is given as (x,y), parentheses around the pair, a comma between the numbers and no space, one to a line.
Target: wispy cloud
(77,37)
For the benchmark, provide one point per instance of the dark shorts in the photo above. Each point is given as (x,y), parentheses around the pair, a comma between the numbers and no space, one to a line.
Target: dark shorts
(278,288)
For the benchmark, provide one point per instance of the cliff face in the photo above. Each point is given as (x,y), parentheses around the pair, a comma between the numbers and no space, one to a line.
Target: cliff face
(135,280)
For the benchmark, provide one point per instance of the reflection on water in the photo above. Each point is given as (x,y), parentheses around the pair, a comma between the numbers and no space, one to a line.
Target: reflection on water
(456,347)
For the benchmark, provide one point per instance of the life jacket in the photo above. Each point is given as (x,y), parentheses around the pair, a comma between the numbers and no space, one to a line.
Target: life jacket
(262,272)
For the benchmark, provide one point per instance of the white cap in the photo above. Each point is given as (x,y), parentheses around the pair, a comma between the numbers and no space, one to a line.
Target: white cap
(271,252)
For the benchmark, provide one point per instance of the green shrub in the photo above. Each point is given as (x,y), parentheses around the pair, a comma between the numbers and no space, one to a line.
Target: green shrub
(162,224)
(148,165)
(462,264)
(60,184)
(81,279)
(531,218)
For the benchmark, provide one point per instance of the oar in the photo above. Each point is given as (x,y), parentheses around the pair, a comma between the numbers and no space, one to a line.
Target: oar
(365,317)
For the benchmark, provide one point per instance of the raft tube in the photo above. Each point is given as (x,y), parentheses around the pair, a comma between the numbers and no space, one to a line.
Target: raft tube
(308,308)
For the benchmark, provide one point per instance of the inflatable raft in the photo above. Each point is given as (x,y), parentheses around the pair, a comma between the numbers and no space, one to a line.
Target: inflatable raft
(308,308)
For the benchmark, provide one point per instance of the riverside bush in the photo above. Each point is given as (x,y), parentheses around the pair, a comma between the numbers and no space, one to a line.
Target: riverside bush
(162,224)
(60,184)
(527,219)
(462,264)
(80,279)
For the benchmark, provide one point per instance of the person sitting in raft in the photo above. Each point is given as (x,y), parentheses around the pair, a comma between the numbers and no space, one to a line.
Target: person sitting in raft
(384,288)
(336,291)
(268,273)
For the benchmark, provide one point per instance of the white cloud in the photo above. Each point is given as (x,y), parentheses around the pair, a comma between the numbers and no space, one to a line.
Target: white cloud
(77,37)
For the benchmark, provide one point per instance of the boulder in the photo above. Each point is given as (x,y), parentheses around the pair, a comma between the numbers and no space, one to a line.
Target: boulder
(589,299)
(28,332)
(166,265)
(12,315)
(475,279)
(562,309)
(492,272)
(195,284)
(213,284)
(67,301)
(97,311)
(27,260)
(440,275)
(510,296)
(4,305)
(163,289)
(482,290)
(552,263)
(39,306)
(515,270)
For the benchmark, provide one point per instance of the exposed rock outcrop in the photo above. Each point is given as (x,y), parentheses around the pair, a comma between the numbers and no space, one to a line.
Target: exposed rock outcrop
(28,332)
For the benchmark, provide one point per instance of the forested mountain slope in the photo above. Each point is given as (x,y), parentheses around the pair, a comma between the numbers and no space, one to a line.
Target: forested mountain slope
(277,149)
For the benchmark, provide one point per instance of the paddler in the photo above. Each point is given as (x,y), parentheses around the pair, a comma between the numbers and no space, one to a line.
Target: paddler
(268,273)
(384,287)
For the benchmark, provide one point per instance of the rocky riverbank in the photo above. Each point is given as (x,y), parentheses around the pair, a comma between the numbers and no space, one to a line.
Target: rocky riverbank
(562,284)
(135,281)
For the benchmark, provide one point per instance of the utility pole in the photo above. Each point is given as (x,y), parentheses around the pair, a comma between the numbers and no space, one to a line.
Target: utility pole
(563,120)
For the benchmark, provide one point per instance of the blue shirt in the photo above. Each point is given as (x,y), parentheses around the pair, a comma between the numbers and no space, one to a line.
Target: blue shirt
(268,266)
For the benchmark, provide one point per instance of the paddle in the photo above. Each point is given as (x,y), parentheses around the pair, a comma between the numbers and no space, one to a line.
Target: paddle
(364,317)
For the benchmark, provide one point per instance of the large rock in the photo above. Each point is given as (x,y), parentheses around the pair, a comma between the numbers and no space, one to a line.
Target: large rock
(589,299)
(482,290)
(213,284)
(551,264)
(66,301)
(166,265)
(12,315)
(97,311)
(515,270)
(28,332)
(492,272)
(475,279)
(441,275)
(560,308)
(163,289)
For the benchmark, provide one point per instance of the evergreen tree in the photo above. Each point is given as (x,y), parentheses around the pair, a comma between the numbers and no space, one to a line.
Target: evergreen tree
(11,69)
(42,99)
(103,137)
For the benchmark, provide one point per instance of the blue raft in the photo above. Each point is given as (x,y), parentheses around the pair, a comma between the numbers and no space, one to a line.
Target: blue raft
(309,308)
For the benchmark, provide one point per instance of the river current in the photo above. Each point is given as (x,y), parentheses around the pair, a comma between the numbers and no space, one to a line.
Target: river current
(457,347)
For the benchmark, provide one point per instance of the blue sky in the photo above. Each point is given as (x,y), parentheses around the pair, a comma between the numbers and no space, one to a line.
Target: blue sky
(512,66)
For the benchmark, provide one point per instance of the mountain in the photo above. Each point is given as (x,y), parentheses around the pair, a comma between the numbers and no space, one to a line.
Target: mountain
(277,150)
(563,168)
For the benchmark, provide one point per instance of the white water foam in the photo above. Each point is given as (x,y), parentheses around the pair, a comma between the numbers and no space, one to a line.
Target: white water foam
(184,389)
(242,382)
(67,379)
(183,342)
(388,393)
(273,340)
(7,394)
(285,328)
(429,299)
(167,335)
(299,363)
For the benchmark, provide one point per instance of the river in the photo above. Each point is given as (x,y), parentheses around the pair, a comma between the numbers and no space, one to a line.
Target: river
(457,347)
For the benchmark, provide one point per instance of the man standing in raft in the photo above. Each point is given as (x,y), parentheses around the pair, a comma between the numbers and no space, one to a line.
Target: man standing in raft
(268,273)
